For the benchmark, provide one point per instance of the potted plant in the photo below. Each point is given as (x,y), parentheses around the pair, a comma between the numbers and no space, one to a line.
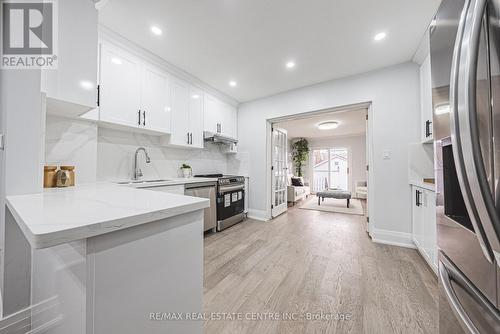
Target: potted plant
(186,170)
(300,152)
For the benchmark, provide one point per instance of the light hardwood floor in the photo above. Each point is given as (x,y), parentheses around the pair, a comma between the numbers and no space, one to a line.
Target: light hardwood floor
(308,262)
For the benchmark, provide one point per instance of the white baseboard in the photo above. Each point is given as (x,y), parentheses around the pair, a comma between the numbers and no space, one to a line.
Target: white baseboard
(258,215)
(394,238)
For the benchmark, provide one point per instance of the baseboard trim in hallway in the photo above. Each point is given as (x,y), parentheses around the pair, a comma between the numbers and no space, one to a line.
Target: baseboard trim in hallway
(393,238)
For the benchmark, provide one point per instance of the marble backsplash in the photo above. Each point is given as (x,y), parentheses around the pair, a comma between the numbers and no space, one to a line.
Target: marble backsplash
(102,154)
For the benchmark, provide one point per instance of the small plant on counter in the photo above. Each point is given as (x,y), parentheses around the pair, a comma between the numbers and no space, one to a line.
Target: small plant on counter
(186,170)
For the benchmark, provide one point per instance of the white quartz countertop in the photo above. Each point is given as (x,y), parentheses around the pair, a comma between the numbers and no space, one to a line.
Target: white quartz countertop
(57,216)
(422,184)
(167,182)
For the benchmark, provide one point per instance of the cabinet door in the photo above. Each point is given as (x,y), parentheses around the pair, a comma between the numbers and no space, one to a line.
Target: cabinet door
(417,227)
(229,121)
(430,227)
(212,112)
(426,100)
(155,104)
(75,79)
(179,94)
(120,87)
(196,117)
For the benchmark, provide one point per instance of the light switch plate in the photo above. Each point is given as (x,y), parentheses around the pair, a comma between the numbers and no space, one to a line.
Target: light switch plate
(387,155)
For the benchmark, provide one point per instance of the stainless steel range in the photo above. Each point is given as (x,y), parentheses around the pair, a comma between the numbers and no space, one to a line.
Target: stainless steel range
(230,199)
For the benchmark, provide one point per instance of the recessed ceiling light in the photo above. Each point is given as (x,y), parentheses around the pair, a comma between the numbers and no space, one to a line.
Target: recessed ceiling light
(87,85)
(116,61)
(442,109)
(233,83)
(155,30)
(195,96)
(380,36)
(329,125)
(290,65)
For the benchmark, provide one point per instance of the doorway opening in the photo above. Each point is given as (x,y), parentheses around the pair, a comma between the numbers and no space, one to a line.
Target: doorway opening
(338,154)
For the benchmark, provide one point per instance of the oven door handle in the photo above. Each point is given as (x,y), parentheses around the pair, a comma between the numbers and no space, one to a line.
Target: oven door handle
(466,150)
(225,189)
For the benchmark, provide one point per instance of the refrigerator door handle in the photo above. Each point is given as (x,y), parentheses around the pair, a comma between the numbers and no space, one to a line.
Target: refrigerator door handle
(448,273)
(466,149)
(465,322)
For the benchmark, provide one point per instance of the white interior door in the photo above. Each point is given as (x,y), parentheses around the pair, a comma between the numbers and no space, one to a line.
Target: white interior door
(279,171)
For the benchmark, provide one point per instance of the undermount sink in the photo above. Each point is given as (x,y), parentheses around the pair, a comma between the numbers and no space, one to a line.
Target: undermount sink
(144,181)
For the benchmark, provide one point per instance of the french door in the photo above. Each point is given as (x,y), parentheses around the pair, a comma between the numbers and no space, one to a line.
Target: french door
(330,169)
(279,171)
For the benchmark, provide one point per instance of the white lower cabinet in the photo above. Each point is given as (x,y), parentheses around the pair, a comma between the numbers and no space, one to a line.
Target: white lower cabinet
(424,224)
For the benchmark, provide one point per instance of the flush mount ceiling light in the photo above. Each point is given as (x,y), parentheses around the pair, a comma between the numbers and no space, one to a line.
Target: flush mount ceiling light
(329,125)
(116,61)
(380,36)
(442,109)
(155,30)
(195,96)
(290,65)
(233,83)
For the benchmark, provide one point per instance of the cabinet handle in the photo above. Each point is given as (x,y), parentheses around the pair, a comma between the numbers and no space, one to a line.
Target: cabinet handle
(98,102)
(139,122)
(144,118)
(191,138)
(428,132)
(418,193)
(220,127)
(188,138)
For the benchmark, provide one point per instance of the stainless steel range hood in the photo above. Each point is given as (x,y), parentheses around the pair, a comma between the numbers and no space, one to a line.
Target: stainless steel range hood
(218,138)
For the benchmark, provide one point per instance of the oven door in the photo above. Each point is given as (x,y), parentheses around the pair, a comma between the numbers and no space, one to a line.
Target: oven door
(230,201)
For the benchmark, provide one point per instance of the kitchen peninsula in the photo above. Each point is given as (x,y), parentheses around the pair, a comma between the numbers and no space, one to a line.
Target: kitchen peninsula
(105,256)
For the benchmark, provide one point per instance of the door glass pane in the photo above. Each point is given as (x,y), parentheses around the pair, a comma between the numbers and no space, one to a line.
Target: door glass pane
(338,168)
(320,170)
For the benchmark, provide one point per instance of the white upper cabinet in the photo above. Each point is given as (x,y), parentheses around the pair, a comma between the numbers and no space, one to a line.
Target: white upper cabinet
(75,79)
(220,117)
(212,113)
(196,117)
(179,94)
(426,100)
(155,100)
(119,87)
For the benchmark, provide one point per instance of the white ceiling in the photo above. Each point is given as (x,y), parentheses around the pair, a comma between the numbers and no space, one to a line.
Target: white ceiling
(350,123)
(250,41)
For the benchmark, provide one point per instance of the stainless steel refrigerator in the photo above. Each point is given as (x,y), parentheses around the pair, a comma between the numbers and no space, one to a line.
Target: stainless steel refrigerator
(465,49)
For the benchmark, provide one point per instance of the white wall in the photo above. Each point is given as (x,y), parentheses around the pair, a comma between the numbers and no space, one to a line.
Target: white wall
(105,155)
(356,145)
(22,121)
(394,93)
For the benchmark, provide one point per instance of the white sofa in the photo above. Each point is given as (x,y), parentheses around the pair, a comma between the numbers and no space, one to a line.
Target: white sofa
(297,193)
(361,189)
